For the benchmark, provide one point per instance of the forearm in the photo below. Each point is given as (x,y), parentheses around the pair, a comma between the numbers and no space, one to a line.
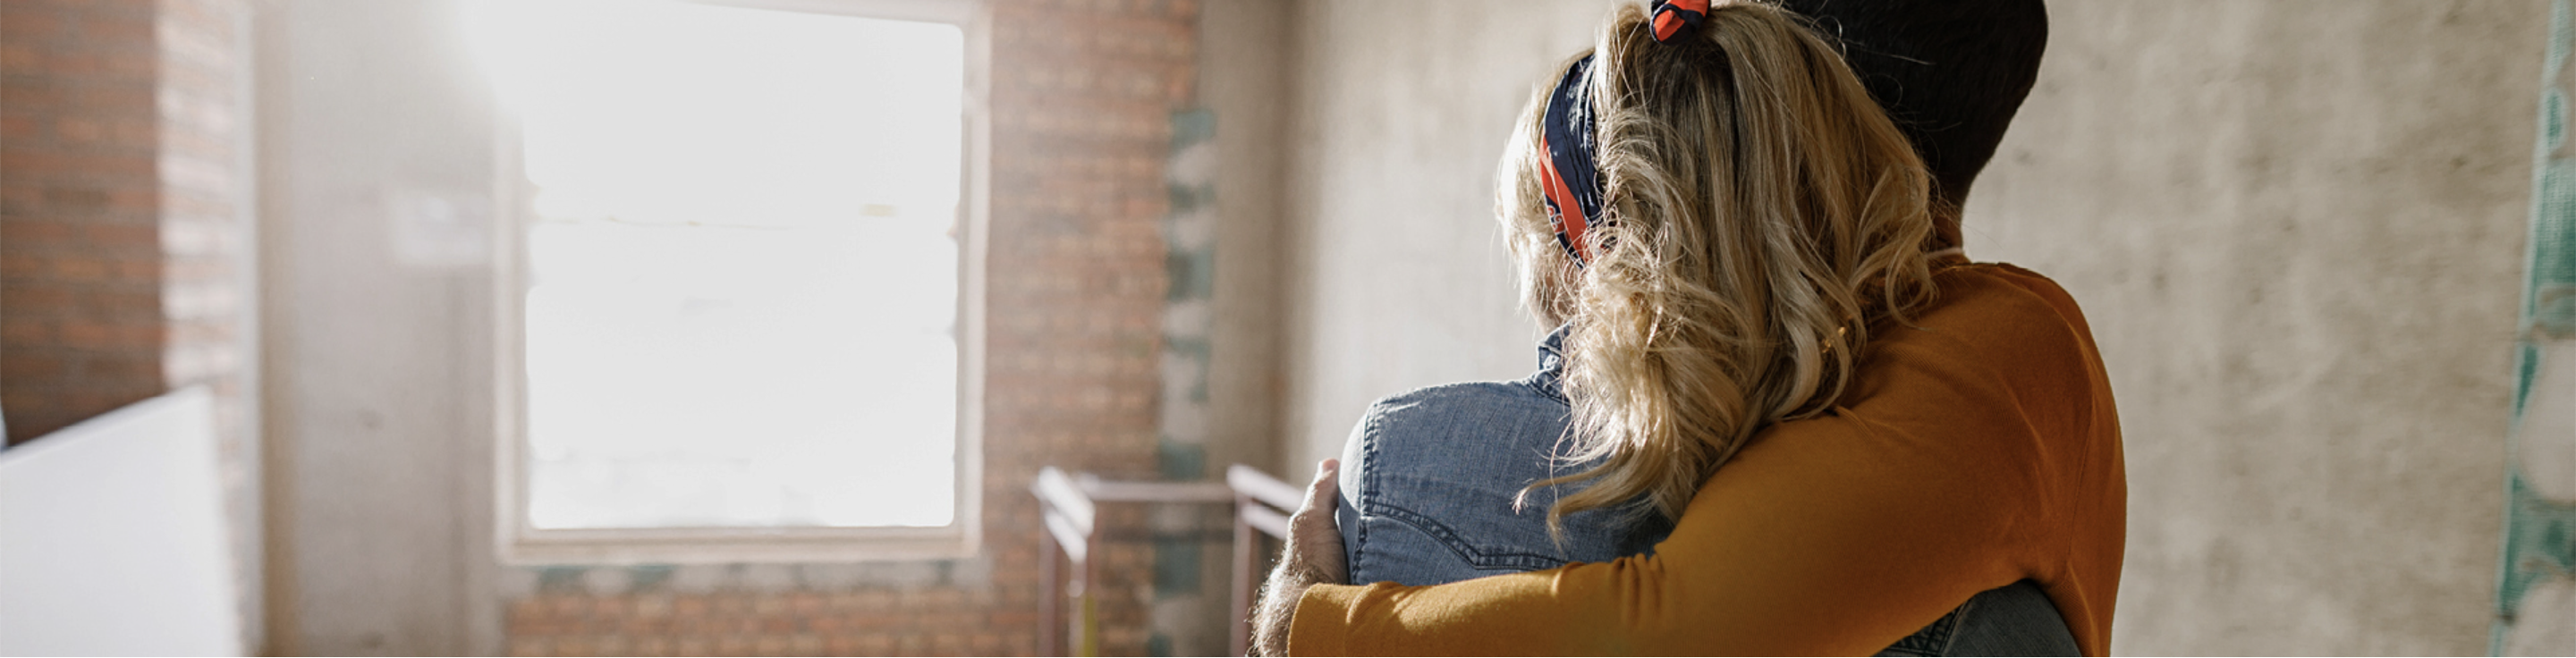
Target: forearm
(1516,614)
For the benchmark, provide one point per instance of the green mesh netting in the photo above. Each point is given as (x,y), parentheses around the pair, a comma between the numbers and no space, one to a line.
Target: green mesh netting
(2540,534)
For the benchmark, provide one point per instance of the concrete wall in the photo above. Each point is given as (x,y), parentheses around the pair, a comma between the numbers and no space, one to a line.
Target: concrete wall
(1244,58)
(377,330)
(2296,227)
(1395,274)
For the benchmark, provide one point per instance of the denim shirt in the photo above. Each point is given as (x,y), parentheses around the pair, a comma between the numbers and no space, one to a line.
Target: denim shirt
(1429,483)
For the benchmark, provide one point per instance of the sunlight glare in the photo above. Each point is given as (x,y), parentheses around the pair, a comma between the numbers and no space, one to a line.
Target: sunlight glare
(743,265)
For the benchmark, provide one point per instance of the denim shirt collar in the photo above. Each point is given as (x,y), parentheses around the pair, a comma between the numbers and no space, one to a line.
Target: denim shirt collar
(1551,363)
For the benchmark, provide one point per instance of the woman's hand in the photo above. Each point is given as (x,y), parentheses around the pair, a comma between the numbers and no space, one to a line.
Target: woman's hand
(1313,557)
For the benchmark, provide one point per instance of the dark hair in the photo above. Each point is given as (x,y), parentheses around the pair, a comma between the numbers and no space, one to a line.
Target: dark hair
(1949,72)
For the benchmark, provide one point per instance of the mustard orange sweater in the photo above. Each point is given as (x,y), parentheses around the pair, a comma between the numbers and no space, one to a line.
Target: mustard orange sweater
(1977,448)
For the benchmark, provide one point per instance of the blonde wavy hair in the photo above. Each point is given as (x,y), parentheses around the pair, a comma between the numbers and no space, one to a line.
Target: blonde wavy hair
(1761,216)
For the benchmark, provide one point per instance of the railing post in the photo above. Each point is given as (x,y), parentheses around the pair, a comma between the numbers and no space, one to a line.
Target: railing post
(1246,555)
(1051,597)
(1090,628)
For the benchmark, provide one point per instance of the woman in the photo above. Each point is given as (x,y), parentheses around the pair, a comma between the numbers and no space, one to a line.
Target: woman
(1727,228)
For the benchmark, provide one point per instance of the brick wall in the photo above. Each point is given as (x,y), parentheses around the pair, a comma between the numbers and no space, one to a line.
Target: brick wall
(81,326)
(205,286)
(1083,92)
(120,223)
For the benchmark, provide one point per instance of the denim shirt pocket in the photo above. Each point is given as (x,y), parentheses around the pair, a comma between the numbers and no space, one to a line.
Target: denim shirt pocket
(1485,557)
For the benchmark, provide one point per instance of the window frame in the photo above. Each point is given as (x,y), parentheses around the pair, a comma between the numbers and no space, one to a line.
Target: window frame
(520,542)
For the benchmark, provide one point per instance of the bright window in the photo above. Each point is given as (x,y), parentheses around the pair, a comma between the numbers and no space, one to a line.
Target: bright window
(742,272)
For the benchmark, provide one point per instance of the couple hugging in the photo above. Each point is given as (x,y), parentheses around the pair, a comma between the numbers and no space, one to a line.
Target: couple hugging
(1780,412)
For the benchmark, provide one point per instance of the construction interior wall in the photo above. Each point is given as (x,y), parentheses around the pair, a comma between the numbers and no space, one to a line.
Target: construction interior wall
(1243,83)
(1394,275)
(377,329)
(2297,228)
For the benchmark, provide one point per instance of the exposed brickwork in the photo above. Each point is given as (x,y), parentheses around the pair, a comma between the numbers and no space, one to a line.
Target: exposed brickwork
(203,235)
(119,224)
(1082,96)
(81,328)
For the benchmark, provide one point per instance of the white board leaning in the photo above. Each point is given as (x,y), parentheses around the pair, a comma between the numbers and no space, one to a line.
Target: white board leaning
(112,537)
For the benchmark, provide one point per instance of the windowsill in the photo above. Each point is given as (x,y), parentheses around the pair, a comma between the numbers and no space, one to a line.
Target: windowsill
(735,546)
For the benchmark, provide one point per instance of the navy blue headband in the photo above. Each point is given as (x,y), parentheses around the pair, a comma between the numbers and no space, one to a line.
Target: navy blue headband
(1572,182)
(1571,179)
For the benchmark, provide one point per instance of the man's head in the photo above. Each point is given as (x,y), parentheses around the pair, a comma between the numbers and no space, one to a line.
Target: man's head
(1950,72)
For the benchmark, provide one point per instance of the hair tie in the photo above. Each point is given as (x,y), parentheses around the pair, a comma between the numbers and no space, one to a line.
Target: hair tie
(1673,15)
(1570,180)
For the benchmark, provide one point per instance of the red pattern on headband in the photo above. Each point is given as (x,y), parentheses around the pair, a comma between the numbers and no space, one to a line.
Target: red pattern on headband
(1569,225)
(1572,183)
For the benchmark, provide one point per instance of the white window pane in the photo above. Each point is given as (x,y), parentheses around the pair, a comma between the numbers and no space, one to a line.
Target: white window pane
(742,308)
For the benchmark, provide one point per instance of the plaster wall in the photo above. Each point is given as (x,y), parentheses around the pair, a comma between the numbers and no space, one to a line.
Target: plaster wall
(1244,60)
(376,161)
(1395,275)
(2297,228)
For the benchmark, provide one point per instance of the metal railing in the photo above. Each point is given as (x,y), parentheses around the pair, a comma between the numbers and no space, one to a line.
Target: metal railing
(1069,507)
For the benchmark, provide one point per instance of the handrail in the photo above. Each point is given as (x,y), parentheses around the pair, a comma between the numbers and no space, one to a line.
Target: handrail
(1069,508)
(1261,486)
(1064,497)
(1262,518)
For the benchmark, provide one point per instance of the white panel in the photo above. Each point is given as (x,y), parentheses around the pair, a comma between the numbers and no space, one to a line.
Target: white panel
(112,537)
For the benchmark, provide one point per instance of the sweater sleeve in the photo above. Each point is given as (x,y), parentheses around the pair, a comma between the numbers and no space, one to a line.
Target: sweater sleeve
(1813,552)
(1834,535)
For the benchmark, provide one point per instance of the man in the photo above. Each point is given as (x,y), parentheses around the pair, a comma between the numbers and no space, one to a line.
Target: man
(1801,545)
